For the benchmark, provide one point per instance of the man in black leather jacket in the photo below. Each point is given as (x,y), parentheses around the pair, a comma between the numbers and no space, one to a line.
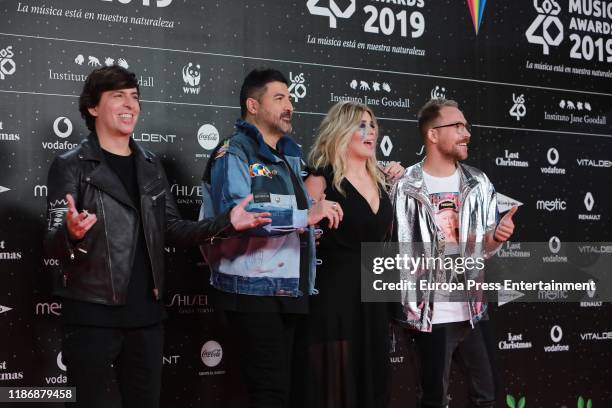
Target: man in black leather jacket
(110,214)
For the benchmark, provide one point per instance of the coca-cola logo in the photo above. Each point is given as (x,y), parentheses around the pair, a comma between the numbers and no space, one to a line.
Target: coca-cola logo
(211,353)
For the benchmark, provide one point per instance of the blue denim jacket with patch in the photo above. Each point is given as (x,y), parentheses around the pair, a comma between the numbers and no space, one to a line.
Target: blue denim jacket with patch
(263,261)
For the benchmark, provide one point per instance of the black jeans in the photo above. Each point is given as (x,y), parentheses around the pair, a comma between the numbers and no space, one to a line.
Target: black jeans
(101,359)
(266,342)
(466,346)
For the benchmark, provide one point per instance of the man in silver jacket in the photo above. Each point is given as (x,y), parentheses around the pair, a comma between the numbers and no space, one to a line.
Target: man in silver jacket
(446,209)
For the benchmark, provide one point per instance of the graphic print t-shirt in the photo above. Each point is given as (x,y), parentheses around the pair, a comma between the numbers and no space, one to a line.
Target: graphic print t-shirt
(444,197)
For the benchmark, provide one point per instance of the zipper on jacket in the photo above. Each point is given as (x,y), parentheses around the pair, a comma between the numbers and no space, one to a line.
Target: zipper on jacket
(145,235)
(110,266)
(465,193)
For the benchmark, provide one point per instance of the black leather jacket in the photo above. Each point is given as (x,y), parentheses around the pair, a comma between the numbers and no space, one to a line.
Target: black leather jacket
(97,269)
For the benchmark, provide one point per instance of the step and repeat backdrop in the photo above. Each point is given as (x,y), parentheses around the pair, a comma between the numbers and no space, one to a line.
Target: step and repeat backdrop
(534,78)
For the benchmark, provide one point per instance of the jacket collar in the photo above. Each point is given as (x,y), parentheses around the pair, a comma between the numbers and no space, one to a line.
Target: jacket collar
(104,178)
(285,145)
(415,182)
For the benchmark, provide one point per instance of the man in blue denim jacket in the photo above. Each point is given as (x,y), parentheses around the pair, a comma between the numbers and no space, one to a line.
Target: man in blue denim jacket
(262,278)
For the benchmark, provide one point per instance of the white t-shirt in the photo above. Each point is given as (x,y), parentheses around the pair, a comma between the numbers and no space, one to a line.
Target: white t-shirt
(444,197)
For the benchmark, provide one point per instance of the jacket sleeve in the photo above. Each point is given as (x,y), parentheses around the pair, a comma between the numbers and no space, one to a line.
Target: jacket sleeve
(63,178)
(187,233)
(231,183)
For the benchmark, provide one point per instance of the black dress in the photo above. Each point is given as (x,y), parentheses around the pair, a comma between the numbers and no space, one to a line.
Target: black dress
(347,359)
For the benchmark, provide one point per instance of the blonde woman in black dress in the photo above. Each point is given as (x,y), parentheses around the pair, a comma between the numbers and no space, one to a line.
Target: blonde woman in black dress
(347,341)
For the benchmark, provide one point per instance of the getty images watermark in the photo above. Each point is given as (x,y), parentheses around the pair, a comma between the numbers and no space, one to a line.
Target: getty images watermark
(522,272)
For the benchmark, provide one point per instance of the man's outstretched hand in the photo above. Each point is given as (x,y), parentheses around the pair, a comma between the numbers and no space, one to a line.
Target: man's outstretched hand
(242,220)
(78,223)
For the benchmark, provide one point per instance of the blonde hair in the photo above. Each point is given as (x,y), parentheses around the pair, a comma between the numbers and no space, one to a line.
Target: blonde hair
(331,144)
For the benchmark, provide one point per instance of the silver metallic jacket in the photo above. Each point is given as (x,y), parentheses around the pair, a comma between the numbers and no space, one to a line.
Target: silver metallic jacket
(415,224)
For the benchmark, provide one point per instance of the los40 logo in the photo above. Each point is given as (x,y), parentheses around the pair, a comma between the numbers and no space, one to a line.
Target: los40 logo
(379,20)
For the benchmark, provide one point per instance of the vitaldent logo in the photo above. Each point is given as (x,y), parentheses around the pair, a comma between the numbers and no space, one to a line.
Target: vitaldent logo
(597,163)
(8,255)
(554,245)
(153,138)
(510,159)
(552,156)
(191,79)
(548,20)
(332,12)
(297,89)
(589,203)
(6,136)
(7,64)
(476,8)
(556,335)
(514,342)
(170,360)
(596,336)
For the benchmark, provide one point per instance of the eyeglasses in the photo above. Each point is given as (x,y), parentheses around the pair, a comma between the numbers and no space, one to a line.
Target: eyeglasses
(460,127)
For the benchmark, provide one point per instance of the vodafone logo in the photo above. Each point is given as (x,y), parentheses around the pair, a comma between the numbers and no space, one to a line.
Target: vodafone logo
(62,127)
(554,244)
(556,334)
(553,156)
(60,362)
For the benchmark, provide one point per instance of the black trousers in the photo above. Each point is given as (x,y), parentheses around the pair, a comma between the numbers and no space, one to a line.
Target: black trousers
(266,342)
(466,346)
(102,362)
